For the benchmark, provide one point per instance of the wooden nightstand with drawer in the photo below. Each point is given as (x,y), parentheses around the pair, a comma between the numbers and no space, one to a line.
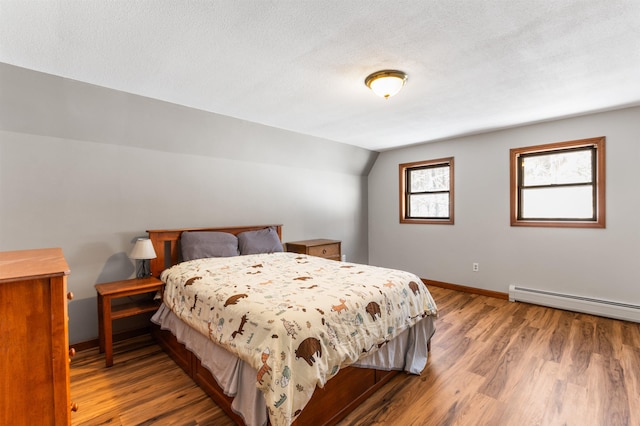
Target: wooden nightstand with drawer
(329,249)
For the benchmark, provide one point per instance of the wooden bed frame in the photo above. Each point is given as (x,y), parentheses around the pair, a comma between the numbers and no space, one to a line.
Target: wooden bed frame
(341,395)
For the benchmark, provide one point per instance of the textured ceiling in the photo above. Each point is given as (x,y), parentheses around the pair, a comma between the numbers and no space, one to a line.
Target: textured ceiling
(299,65)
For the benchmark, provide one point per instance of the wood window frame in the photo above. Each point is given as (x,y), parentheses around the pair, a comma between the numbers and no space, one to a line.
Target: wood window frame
(403,169)
(599,179)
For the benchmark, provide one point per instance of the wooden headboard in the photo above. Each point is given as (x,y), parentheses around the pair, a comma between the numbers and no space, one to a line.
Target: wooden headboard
(166,243)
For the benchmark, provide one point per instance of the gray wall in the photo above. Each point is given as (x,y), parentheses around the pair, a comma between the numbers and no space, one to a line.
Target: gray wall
(598,263)
(90,169)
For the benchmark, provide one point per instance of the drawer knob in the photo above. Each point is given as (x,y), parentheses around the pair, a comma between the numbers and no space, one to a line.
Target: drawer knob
(72,352)
(70,296)
(74,407)
(324,251)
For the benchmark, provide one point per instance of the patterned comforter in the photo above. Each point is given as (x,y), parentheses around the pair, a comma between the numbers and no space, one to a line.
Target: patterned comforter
(296,319)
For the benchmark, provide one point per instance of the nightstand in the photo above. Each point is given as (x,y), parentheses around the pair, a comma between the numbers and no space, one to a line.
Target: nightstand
(107,313)
(329,249)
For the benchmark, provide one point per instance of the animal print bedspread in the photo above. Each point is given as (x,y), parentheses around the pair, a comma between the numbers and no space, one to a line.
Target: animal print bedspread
(296,319)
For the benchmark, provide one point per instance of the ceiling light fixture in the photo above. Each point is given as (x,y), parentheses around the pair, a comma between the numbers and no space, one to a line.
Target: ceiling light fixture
(386,83)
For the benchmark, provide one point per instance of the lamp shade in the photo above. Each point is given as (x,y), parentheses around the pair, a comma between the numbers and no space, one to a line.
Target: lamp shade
(143,249)
(386,83)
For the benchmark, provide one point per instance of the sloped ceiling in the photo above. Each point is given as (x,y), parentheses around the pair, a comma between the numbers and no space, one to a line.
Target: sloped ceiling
(299,65)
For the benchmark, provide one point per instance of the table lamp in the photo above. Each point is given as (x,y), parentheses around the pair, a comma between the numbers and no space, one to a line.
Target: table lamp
(143,251)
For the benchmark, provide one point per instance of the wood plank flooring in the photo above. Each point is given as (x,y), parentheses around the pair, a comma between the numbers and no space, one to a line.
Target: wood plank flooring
(492,362)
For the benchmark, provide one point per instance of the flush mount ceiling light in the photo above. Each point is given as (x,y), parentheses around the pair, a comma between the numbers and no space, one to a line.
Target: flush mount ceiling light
(386,83)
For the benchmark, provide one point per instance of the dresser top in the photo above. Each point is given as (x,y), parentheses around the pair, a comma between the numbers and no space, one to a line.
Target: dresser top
(314,242)
(37,263)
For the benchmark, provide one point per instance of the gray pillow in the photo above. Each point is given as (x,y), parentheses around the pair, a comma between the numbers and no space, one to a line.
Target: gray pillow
(260,241)
(202,244)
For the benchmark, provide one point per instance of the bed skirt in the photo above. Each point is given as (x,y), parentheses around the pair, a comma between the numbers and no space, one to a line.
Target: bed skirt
(408,352)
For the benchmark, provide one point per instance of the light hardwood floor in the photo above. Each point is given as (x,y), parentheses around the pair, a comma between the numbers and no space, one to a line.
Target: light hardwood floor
(492,362)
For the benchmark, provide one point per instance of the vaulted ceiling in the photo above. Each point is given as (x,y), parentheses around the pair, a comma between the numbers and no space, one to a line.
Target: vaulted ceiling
(300,65)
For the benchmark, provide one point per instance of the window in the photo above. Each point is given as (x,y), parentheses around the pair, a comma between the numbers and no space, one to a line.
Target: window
(426,192)
(559,184)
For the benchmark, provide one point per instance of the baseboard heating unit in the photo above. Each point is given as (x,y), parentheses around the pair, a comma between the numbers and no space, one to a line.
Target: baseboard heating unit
(603,308)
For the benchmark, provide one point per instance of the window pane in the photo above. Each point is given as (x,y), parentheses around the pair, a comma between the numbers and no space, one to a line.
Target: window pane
(429,179)
(429,205)
(559,168)
(558,203)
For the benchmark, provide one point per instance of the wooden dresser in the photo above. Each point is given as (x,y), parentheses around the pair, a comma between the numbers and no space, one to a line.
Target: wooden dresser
(329,249)
(35,355)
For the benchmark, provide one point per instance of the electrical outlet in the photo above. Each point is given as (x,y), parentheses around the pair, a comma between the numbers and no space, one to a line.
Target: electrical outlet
(476,267)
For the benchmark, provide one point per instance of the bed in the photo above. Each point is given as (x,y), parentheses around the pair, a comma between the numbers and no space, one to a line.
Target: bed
(284,338)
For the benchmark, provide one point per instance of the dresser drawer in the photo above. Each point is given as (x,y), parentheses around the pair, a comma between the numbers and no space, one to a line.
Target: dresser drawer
(329,249)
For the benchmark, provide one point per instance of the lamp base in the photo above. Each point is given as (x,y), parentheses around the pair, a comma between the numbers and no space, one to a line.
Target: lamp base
(143,269)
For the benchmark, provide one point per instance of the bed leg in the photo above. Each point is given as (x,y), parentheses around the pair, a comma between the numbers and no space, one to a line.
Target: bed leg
(429,346)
